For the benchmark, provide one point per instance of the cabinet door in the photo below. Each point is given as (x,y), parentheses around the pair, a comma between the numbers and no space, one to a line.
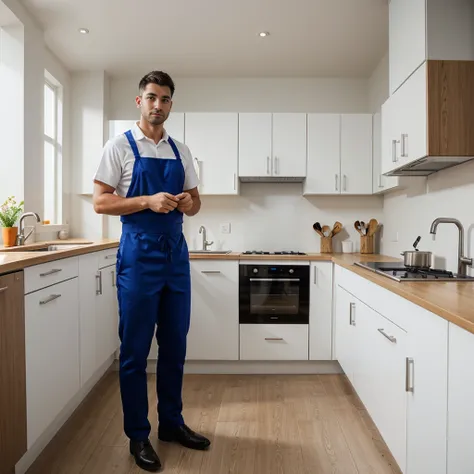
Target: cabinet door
(213,141)
(356,153)
(407,39)
(255,145)
(460,406)
(320,317)
(289,145)
(106,315)
(117,127)
(214,330)
(88,299)
(382,374)
(324,154)
(174,126)
(390,144)
(52,353)
(345,340)
(12,371)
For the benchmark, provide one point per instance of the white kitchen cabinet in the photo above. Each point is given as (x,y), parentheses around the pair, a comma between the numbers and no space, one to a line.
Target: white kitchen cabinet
(52,353)
(272,146)
(427,29)
(289,145)
(460,397)
(401,378)
(339,154)
(213,141)
(324,154)
(356,154)
(320,311)
(174,126)
(106,315)
(214,329)
(274,342)
(255,145)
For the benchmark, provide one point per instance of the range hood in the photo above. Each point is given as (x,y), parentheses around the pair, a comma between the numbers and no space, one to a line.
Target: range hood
(428,165)
(272,179)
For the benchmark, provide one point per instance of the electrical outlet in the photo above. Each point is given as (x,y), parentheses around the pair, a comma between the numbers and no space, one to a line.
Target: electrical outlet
(395,237)
(225,228)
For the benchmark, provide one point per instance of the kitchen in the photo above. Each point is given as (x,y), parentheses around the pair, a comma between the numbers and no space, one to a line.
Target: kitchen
(269,392)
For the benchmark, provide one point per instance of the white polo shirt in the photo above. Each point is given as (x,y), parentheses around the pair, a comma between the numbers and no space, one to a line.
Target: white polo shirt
(116,166)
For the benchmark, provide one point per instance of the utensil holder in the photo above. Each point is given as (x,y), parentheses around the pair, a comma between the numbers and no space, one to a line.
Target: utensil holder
(367,244)
(326,244)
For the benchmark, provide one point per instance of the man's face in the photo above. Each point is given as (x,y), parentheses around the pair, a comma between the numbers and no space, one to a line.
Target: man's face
(155,103)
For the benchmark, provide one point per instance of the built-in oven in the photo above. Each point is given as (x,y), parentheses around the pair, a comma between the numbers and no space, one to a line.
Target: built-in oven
(273,294)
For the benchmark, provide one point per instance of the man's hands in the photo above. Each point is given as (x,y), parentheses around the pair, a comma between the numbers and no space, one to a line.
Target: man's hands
(165,202)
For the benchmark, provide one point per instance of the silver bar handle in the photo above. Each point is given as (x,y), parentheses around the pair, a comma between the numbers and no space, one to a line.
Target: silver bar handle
(394,151)
(98,279)
(277,168)
(235,185)
(403,145)
(208,272)
(49,299)
(390,338)
(410,375)
(268,165)
(337,183)
(2,290)
(107,257)
(273,339)
(113,278)
(345,183)
(380,181)
(274,279)
(51,272)
(315,275)
(351,314)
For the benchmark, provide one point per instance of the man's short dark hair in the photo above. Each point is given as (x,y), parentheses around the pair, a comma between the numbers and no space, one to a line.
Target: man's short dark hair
(156,77)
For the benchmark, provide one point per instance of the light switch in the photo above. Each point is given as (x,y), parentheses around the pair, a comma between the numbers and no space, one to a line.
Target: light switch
(225,228)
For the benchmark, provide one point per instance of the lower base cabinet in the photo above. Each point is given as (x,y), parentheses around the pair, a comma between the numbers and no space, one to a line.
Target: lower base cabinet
(395,355)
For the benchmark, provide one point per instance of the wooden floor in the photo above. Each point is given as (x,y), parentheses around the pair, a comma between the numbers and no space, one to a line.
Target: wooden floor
(303,424)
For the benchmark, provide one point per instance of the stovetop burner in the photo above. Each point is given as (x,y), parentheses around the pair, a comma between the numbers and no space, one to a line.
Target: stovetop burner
(399,272)
(282,252)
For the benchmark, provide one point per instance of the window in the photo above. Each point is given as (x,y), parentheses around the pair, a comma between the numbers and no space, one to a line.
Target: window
(53,108)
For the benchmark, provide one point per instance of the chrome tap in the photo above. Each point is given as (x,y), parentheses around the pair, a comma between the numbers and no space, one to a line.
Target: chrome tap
(462,261)
(21,237)
(205,243)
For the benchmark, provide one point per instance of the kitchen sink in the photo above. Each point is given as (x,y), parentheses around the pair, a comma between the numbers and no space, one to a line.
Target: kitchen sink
(210,252)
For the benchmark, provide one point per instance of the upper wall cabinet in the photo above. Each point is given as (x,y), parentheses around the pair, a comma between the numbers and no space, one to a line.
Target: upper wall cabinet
(427,123)
(427,29)
(272,147)
(213,141)
(339,154)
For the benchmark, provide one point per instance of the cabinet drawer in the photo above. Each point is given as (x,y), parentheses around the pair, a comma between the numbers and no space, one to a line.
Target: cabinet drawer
(47,274)
(107,257)
(273,342)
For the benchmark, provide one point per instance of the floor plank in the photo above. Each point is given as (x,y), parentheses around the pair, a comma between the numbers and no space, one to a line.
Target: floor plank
(270,424)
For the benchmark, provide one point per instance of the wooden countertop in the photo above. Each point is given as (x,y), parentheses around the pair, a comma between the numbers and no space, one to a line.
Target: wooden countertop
(452,301)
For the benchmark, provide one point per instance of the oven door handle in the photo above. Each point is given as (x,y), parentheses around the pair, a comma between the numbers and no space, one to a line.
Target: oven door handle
(274,279)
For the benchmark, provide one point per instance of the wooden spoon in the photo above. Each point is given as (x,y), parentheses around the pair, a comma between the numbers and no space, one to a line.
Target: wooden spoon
(326,231)
(337,228)
(373,226)
(317,228)
(357,227)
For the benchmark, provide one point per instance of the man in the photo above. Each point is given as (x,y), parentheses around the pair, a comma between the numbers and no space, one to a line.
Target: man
(155,184)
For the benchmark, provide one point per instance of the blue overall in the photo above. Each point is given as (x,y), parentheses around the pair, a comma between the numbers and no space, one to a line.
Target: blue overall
(154,291)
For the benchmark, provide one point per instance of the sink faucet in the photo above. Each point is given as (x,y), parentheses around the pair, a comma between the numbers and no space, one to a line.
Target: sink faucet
(21,237)
(462,261)
(205,243)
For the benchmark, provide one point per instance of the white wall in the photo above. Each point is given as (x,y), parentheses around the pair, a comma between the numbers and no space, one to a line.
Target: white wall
(270,216)
(37,57)
(379,89)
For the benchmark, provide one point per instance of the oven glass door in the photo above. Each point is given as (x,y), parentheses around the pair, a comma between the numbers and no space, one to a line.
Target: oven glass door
(274,297)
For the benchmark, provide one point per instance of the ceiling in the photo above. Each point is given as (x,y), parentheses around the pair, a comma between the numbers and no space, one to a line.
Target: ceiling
(217,38)
(7,17)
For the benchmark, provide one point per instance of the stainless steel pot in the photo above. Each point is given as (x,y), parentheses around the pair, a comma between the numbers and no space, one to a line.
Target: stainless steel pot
(417,259)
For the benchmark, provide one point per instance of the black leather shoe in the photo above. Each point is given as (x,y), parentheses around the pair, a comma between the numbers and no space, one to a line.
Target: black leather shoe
(185,436)
(145,455)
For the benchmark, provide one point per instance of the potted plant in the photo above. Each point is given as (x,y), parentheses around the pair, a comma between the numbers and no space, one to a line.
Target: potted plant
(9,213)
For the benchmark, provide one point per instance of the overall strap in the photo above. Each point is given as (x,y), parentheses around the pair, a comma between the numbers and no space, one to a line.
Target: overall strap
(174,148)
(133,143)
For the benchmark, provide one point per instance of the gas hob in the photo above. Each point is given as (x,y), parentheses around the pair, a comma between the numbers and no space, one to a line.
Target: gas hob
(282,252)
(399,272)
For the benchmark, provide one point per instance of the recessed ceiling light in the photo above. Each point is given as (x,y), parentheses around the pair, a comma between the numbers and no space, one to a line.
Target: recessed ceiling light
(84,31)
(263,34)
